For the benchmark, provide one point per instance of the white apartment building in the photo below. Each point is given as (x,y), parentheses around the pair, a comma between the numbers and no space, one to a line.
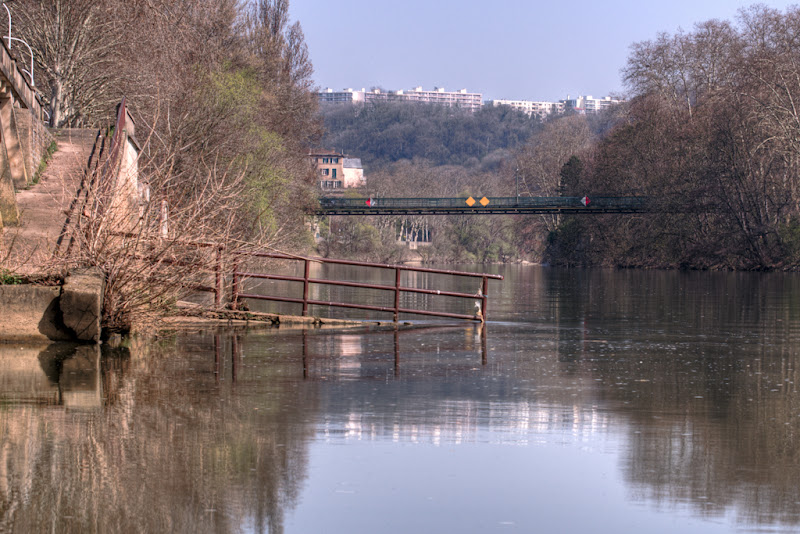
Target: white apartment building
(589,105)
(462,98)
(582,104)
(345,96)
(470,101)
(530,107)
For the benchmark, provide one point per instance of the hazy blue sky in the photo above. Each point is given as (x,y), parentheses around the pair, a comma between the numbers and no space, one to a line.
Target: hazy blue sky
(515,49)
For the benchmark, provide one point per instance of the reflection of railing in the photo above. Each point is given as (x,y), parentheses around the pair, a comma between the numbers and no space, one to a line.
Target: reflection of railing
(309,357)
(306,279)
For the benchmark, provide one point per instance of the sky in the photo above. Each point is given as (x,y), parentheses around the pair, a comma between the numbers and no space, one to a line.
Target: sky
(505,49)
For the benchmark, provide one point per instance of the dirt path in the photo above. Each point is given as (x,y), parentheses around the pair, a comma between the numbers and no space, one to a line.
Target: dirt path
(43,208)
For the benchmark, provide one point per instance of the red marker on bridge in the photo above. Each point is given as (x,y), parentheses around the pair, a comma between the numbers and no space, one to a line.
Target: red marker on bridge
(585,201)
(370,202)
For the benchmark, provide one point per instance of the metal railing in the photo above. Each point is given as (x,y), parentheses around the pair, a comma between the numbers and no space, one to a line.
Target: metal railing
(216,266)
(396,288)
(22,89)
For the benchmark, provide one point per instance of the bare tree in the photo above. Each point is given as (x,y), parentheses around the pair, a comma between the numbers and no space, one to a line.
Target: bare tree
(540,161)
(75,46)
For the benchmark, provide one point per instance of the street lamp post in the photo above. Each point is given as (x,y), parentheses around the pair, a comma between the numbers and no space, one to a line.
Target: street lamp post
(10,39)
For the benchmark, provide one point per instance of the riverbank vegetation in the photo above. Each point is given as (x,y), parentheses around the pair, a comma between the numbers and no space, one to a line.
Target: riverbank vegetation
(710,133)
(222,95)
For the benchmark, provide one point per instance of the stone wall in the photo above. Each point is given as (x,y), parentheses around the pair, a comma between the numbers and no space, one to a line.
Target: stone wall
(34,138)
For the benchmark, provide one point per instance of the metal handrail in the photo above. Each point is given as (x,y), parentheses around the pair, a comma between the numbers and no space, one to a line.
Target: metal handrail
(237,295)
(397,288)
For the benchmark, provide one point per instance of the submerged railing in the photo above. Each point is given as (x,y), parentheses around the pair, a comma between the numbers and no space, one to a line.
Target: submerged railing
(397,288)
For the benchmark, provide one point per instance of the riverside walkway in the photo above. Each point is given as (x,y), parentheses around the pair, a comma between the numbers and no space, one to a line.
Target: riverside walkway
(28,247)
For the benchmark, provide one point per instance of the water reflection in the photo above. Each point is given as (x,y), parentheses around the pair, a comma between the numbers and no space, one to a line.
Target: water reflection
(173,449)
(666,397)
(55,374)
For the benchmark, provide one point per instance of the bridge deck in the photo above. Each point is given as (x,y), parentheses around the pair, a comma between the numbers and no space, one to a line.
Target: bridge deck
(491,205)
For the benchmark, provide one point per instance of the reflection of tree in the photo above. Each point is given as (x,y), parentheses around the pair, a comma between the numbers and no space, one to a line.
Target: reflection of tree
(729,436)
(704,383)
(713,359)
(175,448)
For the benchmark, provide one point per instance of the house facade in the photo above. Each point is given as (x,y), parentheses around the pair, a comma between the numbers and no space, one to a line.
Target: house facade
(353,173)
(335,170)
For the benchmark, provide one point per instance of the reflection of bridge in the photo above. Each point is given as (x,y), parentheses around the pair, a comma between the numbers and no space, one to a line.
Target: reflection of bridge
(481,206)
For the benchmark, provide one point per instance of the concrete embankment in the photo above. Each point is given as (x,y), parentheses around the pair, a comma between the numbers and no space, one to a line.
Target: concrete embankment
(69,312)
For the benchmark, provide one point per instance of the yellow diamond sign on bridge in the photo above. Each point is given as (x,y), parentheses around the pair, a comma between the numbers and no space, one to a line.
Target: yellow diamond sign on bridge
(484,201)
(470,202)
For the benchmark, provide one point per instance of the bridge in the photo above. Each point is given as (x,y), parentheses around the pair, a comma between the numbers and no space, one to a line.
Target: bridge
(482,206)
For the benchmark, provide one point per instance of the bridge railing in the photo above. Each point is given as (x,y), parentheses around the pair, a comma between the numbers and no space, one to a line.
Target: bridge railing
(587,203)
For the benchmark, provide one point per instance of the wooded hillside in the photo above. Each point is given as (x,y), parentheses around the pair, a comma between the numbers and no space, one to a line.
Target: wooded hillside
(384,133)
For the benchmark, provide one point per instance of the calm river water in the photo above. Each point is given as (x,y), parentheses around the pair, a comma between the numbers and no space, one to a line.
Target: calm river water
(595,401)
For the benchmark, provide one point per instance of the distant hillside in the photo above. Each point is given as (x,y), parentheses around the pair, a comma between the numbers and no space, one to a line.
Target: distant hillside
(384,133)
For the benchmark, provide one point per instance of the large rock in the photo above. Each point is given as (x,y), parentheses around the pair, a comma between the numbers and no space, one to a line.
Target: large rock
(82,303)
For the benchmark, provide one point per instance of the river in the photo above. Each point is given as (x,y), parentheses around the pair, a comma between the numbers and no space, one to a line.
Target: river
(594,401)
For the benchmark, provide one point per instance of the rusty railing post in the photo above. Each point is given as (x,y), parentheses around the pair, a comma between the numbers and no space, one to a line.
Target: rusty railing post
(396,352)
(234,357)
(235,285)
(305,355)
(306,274)
(396,293)
(216,357)
(484,297)
(484,352)
(218,278)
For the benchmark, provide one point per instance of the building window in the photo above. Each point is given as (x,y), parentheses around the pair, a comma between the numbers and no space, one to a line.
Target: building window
(334,173)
